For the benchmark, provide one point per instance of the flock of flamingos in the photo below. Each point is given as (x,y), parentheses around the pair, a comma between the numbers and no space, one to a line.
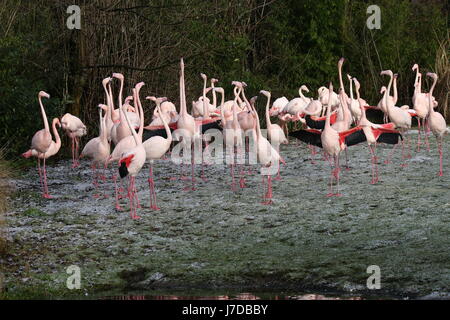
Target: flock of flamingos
(333,122)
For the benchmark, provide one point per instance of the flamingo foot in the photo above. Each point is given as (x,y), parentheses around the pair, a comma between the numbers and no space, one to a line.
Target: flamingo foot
(267,202)
(47,196)
(242,183)
(330,194)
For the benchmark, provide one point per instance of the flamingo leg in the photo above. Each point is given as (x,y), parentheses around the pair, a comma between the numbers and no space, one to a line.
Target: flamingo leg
(374,165)
(313,152)
(40,176)
(151,183)
(336,175)
(330,193)
(426,130)
(116,191)
(95,180)
(419,134)
(441,173)
(46,194)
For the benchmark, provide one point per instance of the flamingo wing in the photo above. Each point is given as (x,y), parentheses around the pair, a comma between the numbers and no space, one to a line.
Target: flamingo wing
(309,136)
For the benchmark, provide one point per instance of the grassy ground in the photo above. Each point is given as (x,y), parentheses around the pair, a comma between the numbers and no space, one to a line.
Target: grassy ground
(216,241)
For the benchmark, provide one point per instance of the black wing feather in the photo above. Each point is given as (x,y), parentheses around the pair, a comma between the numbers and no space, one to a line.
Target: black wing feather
(307,137)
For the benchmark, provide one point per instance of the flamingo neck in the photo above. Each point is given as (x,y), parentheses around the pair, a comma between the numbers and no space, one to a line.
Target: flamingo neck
(267,112)
(44,116)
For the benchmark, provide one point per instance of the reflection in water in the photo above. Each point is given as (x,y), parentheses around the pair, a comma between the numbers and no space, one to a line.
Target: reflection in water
(239,296)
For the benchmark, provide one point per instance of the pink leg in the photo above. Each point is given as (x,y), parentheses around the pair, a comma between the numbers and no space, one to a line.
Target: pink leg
(419,134)
(313,152)
(330,193)
(46,194)
(116,191)
(268,195)
(426,130)
(388,160)
(441,173)
(336,175)
(40,176)
(374,165)
(233,182)
(151,183)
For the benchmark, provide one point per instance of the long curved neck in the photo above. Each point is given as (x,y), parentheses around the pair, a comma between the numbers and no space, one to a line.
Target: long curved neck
(111,100)
(363,110)
(56,134)
(101,127)
(327,119)
(419,90)
(351,89)
(183,109)
(140,113)
(214,95)
(222,111)
(235,119)
(205,104)
(395,90)
(44,116)
(166,126)
(133,131)
(417,76)
(247,104)
(267,112)
(430,95)
(386,94)
(341,82)
(258,126)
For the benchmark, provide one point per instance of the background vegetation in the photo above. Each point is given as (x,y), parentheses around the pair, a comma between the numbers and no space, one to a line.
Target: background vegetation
(271,44)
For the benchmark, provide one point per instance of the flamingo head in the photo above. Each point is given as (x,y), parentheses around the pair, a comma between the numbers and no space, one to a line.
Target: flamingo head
(383,89)
(204,77)
(244,84)
(219,89)
(214,80)
(395,75)
(128,99)
(341,62)
(357,84)
(103,106)
(160,100)
(266,93)
(43,94)
(432,75)
(106,81)
(253,100)
(118,76)
(387,72)
(304,88)
(237,84)
(57,122)
(152,98)
(139,86)
(349,77)
(415,67)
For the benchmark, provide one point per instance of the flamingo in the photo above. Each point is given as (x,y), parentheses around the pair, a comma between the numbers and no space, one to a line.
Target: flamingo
(132,161)
(267,156)
(98,148)
(128,143)
(436,121)
(40,145)
(374,133)
(399,116)
(274,131)
(332,145)
(155,148)
(186,122)
(75,129)
(232,133)
(52,150)
(108,115)
(420,103)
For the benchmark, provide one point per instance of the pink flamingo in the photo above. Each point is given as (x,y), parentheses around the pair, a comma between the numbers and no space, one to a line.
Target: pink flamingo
(155,148)
(131,164)
(186,123)
(436,121)
(40,145)
(98,148)
(75,129)
(420,104)
(267,156)
(332,145)
(128,143)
